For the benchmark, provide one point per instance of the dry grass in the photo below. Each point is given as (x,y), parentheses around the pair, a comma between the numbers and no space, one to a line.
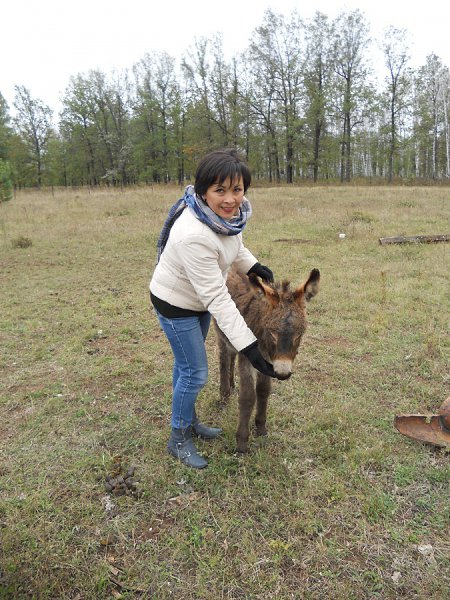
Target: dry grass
(336,504)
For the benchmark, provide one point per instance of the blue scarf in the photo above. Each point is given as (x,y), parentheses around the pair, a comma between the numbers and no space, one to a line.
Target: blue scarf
(202,211)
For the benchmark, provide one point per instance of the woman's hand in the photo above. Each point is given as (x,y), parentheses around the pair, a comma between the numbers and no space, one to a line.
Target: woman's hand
(262,271)
(258,361)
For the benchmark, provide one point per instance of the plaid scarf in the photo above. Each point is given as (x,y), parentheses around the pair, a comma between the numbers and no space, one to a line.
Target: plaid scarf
(202,211)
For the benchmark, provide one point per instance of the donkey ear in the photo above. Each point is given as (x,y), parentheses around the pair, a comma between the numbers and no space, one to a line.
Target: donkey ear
(310,288)
(269,292)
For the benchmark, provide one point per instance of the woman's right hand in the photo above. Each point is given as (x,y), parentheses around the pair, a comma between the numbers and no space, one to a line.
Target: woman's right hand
(258,361)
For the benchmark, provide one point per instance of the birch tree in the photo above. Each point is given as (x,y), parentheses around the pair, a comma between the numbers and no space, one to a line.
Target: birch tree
(429,113)
(445,98)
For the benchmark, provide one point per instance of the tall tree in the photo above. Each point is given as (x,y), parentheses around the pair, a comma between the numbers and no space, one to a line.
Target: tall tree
(219,87)
(33,122)
(275,51)
(111,121)
(197,71)
(351,38)
(77,126)
(430,113)
(398,88)
(445,98)
(158,111)
(6,187)
(261,101)
(5,129)
(118,100)
(317,72)
(95,120)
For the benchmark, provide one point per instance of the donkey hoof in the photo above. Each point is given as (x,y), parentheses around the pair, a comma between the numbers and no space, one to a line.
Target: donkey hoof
(242,449)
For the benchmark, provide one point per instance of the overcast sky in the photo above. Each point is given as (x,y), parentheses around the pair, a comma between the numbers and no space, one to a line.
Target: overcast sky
(44,42)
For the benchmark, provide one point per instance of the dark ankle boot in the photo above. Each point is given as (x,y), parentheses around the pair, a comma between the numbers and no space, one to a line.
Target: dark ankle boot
(203,431)
(182,447)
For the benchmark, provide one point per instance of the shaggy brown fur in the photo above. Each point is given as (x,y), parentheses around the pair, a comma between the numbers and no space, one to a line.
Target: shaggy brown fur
(277,316)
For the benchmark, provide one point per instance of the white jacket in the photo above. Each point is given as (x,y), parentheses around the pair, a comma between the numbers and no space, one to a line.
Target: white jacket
(192,274)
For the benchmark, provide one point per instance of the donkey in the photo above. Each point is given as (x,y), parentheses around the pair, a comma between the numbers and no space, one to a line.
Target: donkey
(277,316)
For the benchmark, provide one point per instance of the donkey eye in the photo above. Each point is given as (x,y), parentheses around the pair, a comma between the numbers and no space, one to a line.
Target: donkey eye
(273,336)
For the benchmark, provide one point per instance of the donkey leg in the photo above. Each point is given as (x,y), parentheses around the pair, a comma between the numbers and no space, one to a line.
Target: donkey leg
(226,371)
(232,366)
(263,387)
(247,399)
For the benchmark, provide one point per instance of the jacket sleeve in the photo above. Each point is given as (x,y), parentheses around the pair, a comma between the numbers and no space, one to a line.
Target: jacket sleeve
(245,259)
(200,262)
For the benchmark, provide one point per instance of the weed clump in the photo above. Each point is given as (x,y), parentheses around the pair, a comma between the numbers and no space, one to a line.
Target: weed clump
(21,242)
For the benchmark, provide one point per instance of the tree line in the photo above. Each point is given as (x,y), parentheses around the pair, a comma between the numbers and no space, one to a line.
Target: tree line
(302,102)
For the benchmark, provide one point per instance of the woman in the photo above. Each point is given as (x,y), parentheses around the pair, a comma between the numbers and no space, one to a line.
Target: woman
(200,241)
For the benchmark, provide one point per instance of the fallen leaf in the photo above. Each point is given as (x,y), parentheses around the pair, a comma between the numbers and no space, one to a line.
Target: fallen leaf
(425,549)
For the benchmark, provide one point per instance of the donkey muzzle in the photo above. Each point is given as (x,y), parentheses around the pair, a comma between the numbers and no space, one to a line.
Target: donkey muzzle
(282,367)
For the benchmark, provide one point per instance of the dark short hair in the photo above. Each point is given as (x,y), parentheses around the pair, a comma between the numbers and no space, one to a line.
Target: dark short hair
(219,165)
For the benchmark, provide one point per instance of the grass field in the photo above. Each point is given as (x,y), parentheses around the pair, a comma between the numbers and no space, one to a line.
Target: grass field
(336,504)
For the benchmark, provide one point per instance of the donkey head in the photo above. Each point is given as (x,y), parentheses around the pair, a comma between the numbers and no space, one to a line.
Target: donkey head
(283,319)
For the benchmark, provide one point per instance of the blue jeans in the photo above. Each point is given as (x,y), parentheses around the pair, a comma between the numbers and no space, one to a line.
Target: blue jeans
(190,370)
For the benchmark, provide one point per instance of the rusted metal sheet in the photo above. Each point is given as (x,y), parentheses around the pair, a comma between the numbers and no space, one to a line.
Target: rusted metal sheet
(432,429)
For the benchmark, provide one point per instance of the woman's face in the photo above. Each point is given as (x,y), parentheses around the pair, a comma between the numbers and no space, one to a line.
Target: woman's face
(225,198)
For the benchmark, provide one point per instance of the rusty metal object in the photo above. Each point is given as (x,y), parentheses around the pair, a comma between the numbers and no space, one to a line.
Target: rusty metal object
(432,429)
